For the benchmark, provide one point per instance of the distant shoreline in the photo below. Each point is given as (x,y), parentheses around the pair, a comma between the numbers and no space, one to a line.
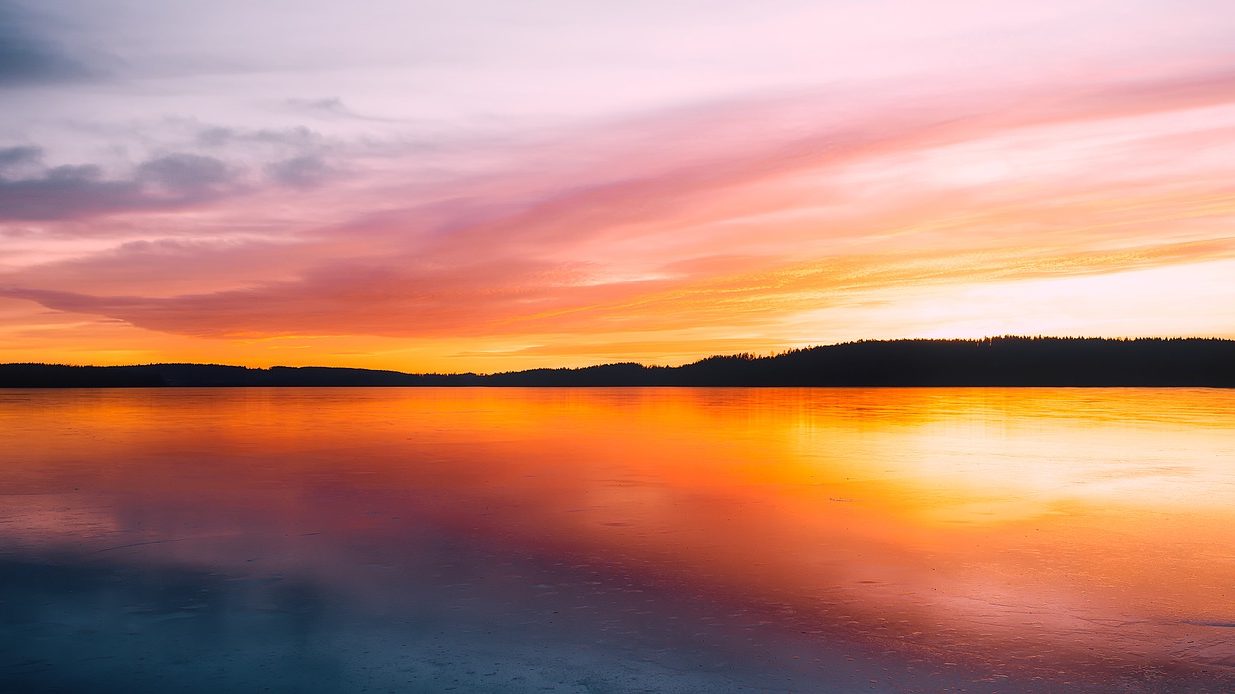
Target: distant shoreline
(990,362)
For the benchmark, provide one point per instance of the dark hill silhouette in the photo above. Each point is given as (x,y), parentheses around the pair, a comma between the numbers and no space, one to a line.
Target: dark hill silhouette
(1000,361)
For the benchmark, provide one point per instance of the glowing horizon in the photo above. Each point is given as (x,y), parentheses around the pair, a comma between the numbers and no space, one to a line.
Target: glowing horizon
(466,187)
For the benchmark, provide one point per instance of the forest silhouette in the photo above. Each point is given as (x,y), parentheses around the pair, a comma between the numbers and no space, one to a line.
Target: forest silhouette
(997,361)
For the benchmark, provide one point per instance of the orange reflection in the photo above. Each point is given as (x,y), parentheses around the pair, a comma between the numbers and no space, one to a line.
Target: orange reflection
(1067,533)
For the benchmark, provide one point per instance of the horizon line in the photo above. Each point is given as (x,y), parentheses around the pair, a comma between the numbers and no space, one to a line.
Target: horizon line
(745,355)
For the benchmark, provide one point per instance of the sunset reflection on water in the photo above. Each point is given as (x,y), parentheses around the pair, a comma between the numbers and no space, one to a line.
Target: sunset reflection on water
(581,539)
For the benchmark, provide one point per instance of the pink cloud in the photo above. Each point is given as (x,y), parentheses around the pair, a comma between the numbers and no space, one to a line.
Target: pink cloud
(659,223)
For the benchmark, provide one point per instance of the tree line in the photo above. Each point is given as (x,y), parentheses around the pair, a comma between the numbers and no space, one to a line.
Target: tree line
(997,361)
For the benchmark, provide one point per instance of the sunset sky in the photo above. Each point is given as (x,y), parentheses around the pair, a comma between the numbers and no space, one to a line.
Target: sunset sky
(464,185)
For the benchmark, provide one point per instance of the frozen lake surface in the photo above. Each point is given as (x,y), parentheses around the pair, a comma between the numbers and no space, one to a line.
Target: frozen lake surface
(617,540)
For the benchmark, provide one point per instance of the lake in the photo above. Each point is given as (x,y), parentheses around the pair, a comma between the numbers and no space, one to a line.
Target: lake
(617,540)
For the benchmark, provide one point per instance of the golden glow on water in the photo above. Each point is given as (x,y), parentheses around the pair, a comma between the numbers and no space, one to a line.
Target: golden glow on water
(1054,532)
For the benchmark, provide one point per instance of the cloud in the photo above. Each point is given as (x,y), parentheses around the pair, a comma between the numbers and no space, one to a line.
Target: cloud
(494,296)
(365,298)
(184,174)
(27,57)
(306,171)
(11,157)
(80,191)
(295,156)
(298,137)
(653,224)
(170,266)
(331,106)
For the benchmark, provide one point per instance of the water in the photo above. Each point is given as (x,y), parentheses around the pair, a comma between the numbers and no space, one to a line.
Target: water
(613,540)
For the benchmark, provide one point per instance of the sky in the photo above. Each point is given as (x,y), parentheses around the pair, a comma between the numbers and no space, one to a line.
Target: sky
(470,185)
